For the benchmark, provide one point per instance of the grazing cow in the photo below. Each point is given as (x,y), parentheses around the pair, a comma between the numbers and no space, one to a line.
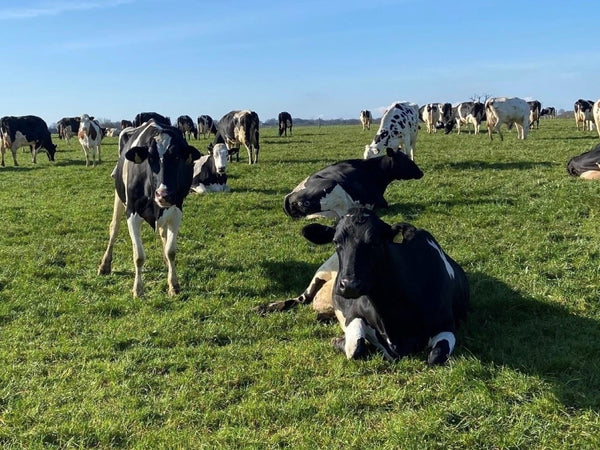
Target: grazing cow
(365,119)
(126,123)
(586,165)
(583,114)
(146,116)
(20,131)
(285,122)
(152,178)
(90,138)
(210,171)
(240,127)
(550,111)
(206,125)
(465,113)
(398,129)
(187,127)
(431,115)
(67,128)
(503,110)
(535,111)
(400,297)
(331,191)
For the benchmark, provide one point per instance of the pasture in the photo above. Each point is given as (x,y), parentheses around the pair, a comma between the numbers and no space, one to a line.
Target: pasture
(84,364)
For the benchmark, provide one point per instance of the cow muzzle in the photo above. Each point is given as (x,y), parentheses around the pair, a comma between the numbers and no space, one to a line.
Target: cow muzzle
(348,288)
(162,198)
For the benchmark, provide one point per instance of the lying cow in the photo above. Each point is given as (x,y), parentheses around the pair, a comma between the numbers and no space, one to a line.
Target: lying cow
(400,297)
(397,130)
(90,138)
(210,171)
(152,178)
(509,111)
(332,191)
(586,165)
(32,131)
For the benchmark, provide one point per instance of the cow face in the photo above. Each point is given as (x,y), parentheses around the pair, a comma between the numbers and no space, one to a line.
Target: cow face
(306,200)
(360,239)
(220,154)
(171,161)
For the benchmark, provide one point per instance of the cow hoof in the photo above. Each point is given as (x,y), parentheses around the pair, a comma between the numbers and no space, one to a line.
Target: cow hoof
(439,354)
(174,290)
(104,269)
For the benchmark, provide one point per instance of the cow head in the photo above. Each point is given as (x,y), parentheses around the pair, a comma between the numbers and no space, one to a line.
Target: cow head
(220,153)
(303,201)
(171,161)
(400,166)
(361,240)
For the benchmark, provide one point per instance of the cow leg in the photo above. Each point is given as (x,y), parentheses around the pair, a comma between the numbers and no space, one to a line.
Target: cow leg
(134,224)
(354,342)
(168,227)
(441,346)
(34,151)
(118,210)
(14,155)
(99,161)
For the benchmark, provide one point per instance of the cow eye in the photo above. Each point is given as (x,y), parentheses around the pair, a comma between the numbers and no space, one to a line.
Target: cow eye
(305,203)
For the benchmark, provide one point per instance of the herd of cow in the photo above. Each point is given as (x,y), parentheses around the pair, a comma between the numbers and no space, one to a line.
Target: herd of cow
(391,287)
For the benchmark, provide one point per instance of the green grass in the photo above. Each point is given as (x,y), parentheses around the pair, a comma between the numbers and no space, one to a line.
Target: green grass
(83,364)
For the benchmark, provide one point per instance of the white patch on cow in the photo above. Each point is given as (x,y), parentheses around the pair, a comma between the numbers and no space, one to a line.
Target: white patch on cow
(337,201)
(449,268)
(354,331)
(443,336)
(397,130)
(219,153)
(163,141)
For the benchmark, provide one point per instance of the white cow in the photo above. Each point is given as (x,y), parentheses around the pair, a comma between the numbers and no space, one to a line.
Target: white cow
(90,137)
(596,114)
(398,129)
(507,110)
(431,115)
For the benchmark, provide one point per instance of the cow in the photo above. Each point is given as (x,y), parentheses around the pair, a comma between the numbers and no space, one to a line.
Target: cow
(398,129)
(583,114)
(465,113)
(596,115)
(285,122)
(240,127)
(206,125)
(67,128)
(430,115)
(152,177)
(331,191)
(187,127)
(401,297)
(111,132)
(586,165)
(90,138)
(126,123)
(210,171)
(535,111)
(550,111)
(146,116)
(25,130)
(504,110)
(365,119)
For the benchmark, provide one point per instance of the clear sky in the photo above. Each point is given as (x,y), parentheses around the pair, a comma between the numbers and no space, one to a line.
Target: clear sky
(317,58)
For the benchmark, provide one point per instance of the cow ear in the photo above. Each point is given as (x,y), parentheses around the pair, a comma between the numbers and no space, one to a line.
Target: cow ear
(402,232)
(193,155)
(137,154)
(318,234)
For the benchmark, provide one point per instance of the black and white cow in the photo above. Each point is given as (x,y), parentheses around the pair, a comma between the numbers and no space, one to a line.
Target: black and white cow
(90,138)
(146,116)
(466,113)
(285,122)
(152,178)
(535,111)
(210,171)
(206,125)
(67,128)
(584,114)
(187,127)
(365,119)
(398,130)
(332,191)
(240,127)
(126,123)
(400,297)
(586,165)
(509,111)
(550,111)
(430,114)
(23,131)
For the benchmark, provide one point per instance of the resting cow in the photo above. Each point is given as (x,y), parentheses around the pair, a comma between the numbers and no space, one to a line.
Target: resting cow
(397,130)
(586,165)
(332,191)
(400,297)
(17,132)
(152,178)
(210,171)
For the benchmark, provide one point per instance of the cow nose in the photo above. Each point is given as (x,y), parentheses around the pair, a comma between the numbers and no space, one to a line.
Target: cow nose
(348,288)
(161,196)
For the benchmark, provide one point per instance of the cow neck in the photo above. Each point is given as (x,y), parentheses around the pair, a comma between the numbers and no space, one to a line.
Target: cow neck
(382,171)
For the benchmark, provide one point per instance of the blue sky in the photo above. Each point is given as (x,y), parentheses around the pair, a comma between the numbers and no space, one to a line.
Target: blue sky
(323,58)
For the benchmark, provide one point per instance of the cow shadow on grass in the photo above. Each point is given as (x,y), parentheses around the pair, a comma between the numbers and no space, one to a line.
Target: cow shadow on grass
(486,165)
(508,329)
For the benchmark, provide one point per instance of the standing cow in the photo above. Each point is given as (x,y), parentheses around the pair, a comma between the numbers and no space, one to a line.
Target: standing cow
(240,127)
(550,111)
(535,111)
(596,115)
(146,116)
(20,131)
(504,110)
(584,114)
(466,113)
(285,122)
(365,119)
(67,128)
(90,138)
(398,130)
(152,178)
(206,125)
(187,127)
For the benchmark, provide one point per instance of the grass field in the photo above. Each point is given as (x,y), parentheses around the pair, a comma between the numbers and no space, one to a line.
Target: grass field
(83,364)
